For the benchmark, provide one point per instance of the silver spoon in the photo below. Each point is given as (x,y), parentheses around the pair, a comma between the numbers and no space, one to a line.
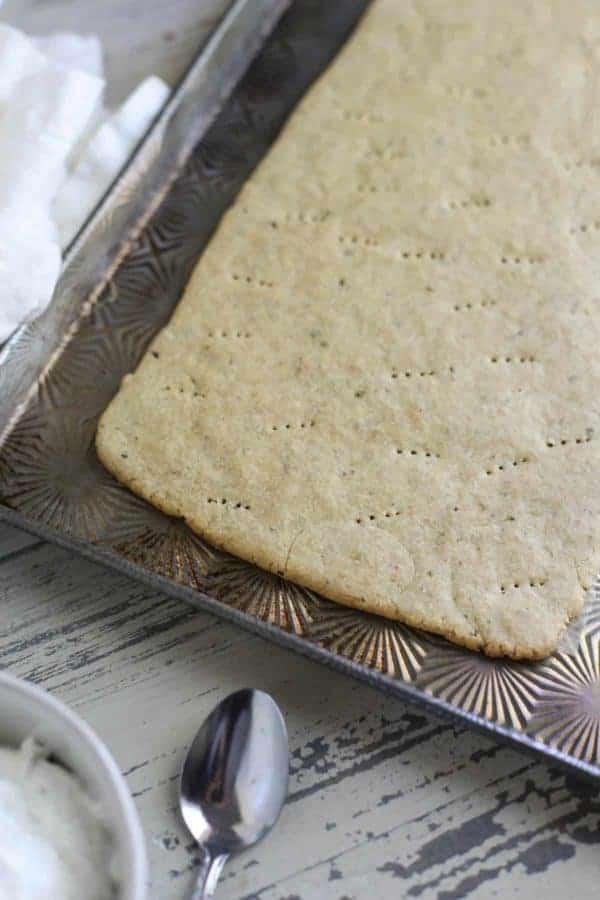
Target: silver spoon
(234,780)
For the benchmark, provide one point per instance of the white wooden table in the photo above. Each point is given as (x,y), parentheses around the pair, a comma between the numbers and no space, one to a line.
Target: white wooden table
(384,800)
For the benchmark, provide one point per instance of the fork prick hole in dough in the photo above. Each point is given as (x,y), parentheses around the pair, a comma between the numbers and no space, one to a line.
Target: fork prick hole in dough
(428,454)
(585,226)
(527,582)
(564,442)
(226,334)
(224,501)
(250,279)
(421,255)
(502,467)
(522,359)
(418,373)
(290,426)
(372,517)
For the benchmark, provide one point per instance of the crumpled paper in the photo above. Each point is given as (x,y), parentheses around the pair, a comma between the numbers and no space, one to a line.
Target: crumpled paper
(59,152)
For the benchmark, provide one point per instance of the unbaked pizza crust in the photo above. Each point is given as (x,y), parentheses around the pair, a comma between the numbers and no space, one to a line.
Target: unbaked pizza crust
(382,381)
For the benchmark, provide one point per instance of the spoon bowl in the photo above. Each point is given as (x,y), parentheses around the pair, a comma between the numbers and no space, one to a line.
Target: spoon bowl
(234,780)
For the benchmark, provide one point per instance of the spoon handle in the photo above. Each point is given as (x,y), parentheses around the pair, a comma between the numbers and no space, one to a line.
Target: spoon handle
(207,875)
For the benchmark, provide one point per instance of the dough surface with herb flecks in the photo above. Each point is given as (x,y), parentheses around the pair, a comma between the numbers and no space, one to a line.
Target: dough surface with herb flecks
(383,379)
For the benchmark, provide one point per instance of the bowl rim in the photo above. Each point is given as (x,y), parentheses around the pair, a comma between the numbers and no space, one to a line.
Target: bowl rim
(138,863)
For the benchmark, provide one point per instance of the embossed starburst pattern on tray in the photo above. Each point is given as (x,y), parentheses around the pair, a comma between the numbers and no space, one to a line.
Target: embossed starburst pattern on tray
(164,545)
(493,689)
(389,647)
(567,712)
(50,472)
(263,595)
(50,475)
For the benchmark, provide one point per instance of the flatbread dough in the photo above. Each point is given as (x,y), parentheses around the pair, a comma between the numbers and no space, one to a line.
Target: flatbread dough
(382,381)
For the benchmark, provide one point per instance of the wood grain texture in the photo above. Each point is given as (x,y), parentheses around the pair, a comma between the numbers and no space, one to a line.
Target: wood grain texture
(384,801)
(382,797)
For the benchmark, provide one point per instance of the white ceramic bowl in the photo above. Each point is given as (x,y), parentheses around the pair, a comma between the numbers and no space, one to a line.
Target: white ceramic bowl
(28,710)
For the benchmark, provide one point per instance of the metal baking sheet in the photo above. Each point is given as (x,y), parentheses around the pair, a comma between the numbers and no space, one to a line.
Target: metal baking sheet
(121,280)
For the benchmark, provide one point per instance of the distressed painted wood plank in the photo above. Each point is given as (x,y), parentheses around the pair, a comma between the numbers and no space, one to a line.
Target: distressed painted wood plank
(382,797)
(12,540)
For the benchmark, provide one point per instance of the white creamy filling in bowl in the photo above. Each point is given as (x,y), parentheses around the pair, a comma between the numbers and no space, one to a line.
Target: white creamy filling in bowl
(54,842)
(68,825)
